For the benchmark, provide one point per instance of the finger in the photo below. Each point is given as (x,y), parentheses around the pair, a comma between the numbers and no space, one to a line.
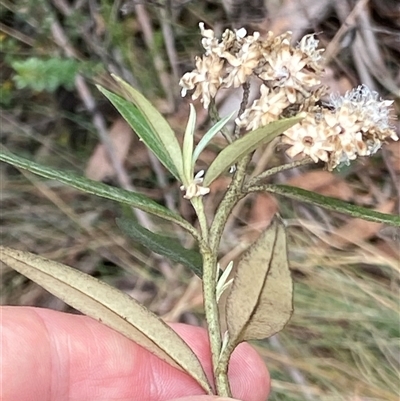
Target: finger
(49,356)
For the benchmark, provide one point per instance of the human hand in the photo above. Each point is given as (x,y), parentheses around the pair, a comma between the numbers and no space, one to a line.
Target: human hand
(54,356)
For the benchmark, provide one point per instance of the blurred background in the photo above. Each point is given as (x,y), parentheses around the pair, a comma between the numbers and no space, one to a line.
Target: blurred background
(343,340)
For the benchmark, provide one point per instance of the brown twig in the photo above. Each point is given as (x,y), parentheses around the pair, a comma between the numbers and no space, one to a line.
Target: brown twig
(243,105)
(145,23)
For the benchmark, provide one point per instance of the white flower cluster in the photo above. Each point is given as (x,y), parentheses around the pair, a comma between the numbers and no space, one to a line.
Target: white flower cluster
(349,126)
(231,61)
(352,125)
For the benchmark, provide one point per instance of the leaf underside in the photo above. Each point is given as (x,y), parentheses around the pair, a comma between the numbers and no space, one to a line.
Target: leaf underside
(110,306)
(260,301)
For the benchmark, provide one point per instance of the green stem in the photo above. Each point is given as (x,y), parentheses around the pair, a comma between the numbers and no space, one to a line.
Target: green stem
(212,317)
(236,191)
(231,198)
(224,358)
(210,259)
(274,170)
(198,205)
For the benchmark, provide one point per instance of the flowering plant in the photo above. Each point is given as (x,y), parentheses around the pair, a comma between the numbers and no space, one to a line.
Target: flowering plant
(289,106)
(335,132)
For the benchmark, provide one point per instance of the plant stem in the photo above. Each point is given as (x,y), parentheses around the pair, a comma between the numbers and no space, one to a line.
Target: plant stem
(198,205)
(212,317)
(243,104)
(235,192)
(210,259)
(209,293)
(274,170)
(232,196)
(225,356)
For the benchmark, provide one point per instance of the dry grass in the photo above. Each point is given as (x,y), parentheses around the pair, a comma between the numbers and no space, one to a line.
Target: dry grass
(343,341)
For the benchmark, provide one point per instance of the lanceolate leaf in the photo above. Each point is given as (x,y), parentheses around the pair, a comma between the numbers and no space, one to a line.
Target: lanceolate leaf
(162,245)
(142,128)
(134,199)
(210,135)
(245,145)
(110,306)
(187,150)
(156,121)
(333,204)
(260,301)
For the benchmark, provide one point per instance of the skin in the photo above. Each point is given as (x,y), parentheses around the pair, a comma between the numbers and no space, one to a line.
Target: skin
(53,356)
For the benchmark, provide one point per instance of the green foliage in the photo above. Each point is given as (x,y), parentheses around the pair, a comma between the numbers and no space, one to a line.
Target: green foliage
(142,128)
(333,204)
(204,141)
(134,199)
(245,145)
(6,94)
(162,245)
(45,74)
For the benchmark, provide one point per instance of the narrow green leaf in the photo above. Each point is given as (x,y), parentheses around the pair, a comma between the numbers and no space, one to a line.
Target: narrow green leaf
(333,204)
(144,131)
(110,306)
(134,199)
(187,150)
(245,145)
(156,121)
(260,302)
(210,135)
(162,245)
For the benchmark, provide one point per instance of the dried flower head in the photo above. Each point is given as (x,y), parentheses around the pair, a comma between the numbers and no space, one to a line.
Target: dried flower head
(206,78)
(288,68)
(352,125)
(240,66)
(356,124)
(233,60)
(267,108)
(309,46)
(311,137)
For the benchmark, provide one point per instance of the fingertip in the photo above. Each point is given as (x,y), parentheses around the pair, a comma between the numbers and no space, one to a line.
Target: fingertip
(248,374)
